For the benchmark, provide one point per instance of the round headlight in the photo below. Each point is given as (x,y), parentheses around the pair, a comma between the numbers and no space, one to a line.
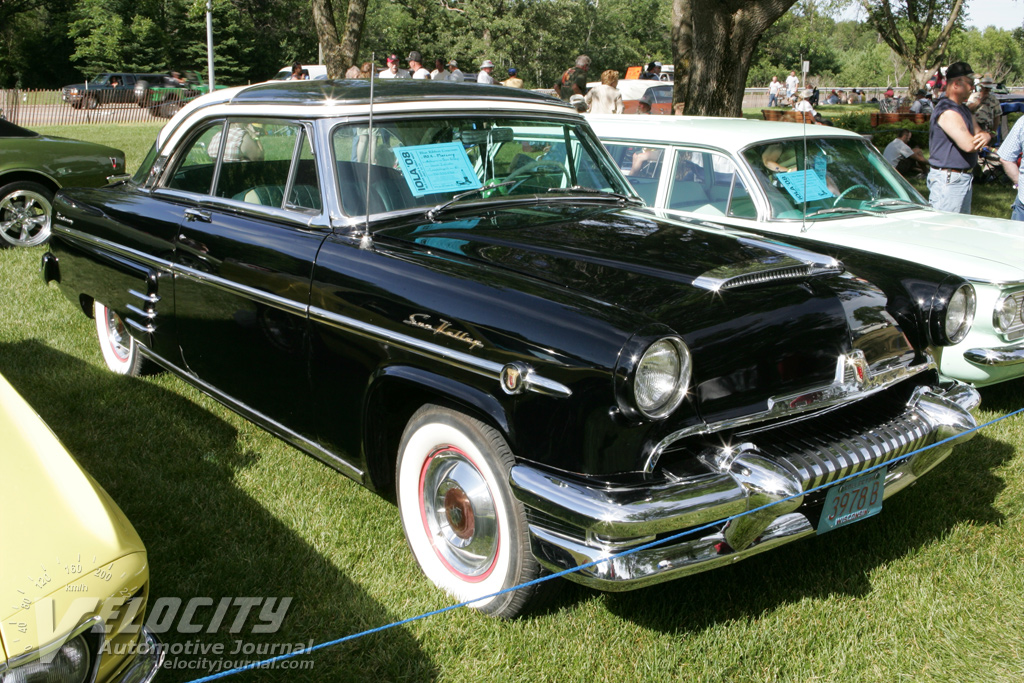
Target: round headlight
(71,663)
(960,313)
(662,377)
(1005,314)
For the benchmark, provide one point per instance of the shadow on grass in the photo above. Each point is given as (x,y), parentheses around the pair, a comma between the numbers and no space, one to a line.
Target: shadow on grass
(170,465)
(960,490)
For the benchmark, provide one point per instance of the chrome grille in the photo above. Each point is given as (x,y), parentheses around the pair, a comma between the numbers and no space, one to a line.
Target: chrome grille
(848,448)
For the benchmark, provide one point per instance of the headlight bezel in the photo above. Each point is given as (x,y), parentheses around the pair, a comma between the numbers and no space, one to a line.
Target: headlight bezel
(635,355)
(946,297)
(1016,316)
(90,635)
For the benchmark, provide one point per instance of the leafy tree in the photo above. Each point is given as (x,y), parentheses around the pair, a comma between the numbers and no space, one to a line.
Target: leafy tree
(993,51)
(918,31)
(713,44)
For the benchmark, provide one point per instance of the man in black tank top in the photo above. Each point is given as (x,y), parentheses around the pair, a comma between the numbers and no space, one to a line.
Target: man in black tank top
(954,141)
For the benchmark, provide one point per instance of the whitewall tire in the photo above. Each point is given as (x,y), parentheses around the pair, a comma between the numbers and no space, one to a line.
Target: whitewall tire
(464,527)
(120,352)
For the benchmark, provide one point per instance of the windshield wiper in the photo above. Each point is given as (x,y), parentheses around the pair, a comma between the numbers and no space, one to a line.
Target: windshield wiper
(579,189)
(842,209)
(433,213)
(894,202)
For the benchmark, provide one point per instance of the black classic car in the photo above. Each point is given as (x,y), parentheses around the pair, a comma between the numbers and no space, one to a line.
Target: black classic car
(456,299)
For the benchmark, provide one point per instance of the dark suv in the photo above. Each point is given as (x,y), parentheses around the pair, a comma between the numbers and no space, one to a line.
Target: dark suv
(107,88)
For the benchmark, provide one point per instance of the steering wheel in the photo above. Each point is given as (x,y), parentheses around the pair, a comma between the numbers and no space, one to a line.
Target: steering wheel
(539,166)
(848,190)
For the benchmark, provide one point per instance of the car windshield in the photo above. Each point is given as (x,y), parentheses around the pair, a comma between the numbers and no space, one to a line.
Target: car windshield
(102,79)
(825,177)
(420,162)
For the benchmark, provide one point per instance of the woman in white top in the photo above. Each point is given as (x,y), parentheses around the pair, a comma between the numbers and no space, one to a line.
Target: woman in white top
(605,98)
(805,106)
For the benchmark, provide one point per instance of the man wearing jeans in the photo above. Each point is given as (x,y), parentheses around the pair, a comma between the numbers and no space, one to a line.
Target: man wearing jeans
(1009,153)
(954,139)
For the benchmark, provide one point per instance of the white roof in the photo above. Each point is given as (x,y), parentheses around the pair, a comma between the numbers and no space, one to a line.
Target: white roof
(732,134)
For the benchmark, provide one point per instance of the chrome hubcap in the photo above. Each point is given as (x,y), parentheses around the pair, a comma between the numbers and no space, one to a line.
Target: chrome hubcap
(24,218)
(117,335)
(459,513)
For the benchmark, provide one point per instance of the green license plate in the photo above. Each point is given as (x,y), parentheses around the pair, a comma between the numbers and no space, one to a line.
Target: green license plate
(853,500)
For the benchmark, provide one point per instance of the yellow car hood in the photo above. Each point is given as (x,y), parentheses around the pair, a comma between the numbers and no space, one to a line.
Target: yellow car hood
(61,536)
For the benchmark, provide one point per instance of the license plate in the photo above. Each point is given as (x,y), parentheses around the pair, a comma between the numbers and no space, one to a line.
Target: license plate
(853,500)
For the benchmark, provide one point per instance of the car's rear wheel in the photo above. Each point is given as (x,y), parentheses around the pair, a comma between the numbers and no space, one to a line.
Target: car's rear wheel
(24,214)
(466,530)
(142,93)
(120,352)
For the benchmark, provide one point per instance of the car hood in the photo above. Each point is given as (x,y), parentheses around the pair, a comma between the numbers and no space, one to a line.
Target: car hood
(974,247)
(59,525)
(775,332)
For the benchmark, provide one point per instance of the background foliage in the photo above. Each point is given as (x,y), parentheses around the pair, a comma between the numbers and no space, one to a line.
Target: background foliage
(50,43)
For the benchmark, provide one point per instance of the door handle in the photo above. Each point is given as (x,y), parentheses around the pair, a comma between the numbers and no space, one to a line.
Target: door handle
(197,215)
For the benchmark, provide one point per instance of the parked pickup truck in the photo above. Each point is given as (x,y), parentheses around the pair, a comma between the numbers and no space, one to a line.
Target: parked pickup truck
(107,88)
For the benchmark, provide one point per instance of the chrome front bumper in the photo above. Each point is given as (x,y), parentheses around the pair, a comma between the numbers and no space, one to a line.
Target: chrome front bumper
(147,661)
(1001,355)
(573,524)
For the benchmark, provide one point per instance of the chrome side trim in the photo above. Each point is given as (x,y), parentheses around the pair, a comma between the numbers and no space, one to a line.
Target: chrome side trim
(533,381)
(152,298)
(792,405)
(1001,355)
(465,361)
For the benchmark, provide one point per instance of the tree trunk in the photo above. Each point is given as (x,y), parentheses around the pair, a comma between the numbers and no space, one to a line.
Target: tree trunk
(339,55)
(713,42)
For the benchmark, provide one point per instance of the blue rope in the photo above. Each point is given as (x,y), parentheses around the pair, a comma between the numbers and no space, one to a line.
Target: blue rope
(549,577)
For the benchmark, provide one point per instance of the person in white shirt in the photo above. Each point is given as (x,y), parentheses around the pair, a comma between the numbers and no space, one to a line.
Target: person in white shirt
(415,60)
(774,88)
(906,159)
(485,73)
(605,98)
(455,74)
(393,71)
(805,106)
(792,83)
(439,73)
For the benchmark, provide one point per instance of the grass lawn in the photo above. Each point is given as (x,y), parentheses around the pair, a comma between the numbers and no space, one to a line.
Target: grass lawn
(930,590)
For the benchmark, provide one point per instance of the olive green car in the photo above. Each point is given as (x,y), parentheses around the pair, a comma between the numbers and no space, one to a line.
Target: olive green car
(33,167)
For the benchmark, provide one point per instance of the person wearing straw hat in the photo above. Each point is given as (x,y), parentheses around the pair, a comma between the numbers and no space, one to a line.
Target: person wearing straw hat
(485,76)
(803,105)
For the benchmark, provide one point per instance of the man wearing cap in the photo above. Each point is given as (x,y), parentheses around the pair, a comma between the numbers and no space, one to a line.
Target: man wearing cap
(455,74)
(985,105)
(954,139)
(485,76)
(393,71)
(1009,156)
(415,60)
(922,104)
(513,80)
(653,72)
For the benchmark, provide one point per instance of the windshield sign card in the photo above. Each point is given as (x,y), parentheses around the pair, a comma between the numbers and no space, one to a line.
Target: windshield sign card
(804,186)
(430,169)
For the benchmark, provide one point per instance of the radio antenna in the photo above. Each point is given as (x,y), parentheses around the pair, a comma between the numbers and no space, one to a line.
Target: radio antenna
(365,241)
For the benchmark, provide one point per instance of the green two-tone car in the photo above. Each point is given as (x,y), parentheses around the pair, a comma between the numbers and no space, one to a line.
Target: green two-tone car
(165,95)
(33,167)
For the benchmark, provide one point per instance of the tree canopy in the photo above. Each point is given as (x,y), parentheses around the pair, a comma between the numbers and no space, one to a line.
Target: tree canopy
(50,43)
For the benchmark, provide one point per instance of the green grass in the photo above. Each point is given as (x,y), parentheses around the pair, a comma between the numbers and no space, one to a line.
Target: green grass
(930,590)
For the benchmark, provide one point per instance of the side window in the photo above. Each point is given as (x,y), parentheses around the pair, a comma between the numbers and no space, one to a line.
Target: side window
(641,166)
(708,183)
(305,183)
(256,160)
(194,171)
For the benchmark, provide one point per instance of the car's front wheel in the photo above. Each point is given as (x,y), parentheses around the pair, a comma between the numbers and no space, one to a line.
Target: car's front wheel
(24,214)
(120,352)
(466,530)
